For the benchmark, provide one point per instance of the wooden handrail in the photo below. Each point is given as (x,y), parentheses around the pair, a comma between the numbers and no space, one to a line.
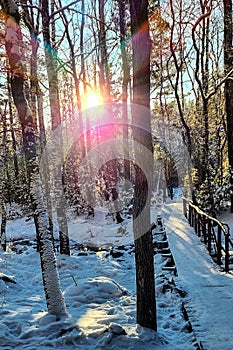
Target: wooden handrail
(215,234)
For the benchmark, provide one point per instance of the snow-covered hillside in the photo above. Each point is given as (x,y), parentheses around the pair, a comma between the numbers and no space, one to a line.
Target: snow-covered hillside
(98,282)
(99,289)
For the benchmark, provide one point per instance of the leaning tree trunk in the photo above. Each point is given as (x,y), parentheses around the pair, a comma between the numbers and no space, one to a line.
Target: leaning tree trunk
(144,254)
(13,41)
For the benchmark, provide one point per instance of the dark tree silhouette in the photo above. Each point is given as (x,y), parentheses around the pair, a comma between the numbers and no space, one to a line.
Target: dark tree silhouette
(144,255)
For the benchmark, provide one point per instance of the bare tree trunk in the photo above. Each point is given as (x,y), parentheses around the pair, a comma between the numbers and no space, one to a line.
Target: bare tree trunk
(87,145)
(201,74)
(2,206)
(104,70)
(180,102)
(3,222)
(105,85)
(178,73)
(13,38)
(14,143)
(228,59)
(125,83)
(56,123)
(36,103)
(144,254)
(3,157)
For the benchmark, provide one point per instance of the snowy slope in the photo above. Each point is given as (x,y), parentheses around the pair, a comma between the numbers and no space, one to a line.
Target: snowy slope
(210,291)
(100,291)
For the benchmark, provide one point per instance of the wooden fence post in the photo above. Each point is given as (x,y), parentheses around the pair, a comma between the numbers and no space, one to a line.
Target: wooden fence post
(190,216)
(227,253)
(199,225)
(204,229)
(209,235)
(195,220)
(219,245)
(217,241)
(185,207)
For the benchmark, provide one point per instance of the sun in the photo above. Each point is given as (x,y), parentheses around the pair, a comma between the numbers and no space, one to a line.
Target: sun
(93,99)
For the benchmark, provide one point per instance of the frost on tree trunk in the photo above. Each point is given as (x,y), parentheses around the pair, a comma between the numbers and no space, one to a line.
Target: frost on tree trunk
(2,206)
(13,42)
(3,223)
(50,60)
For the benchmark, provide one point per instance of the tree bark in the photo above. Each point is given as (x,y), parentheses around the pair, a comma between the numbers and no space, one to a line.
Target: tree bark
(110,169)
(36,103)
(125,83)
(3,223)
(13,41)
(104,70)
(228,62)
(144,254)
(14,142)
(50,58)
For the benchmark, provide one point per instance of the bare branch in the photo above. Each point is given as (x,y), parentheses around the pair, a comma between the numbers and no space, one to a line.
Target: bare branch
(63,8)
(227,77)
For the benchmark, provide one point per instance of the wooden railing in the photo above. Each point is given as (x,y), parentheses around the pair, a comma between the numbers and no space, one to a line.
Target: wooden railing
(215,234)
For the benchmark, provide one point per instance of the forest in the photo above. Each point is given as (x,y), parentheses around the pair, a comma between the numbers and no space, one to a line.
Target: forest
(112,107)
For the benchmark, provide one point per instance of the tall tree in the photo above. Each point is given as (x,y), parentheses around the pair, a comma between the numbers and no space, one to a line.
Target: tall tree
(50,59)
(103,63)
(228,62)
(13,42)
(144,254)
(2,170)
(110,171)
(125,83)
(31,20)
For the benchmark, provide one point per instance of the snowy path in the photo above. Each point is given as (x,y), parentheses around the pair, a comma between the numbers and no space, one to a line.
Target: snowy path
(210,291)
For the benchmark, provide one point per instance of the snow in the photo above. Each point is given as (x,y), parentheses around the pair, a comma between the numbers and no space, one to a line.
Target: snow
(209,290)
(103,287)
(99,291)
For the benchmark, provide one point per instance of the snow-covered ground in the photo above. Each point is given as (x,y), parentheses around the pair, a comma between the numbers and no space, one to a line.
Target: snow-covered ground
(99,289)
(210,297)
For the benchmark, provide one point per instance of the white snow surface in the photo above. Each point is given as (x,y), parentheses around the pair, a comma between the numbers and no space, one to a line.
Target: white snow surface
(210,297)
(99,291)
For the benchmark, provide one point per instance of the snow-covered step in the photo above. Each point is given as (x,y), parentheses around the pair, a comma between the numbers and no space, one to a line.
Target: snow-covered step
(162,244)
(167,255)
(170,269)
(164,251)
(160,231)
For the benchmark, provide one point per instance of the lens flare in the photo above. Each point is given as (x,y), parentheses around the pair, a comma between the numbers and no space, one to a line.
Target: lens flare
(92,99)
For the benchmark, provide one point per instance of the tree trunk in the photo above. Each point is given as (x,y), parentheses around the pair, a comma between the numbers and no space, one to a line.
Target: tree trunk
(13,39)
(3,157)
(104,70)
(125,83)
(178,63)
(3,224)
(36,104)
(228,62)
(105,86)
(144,254)
(50,59)
(87,136)
(14,142)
